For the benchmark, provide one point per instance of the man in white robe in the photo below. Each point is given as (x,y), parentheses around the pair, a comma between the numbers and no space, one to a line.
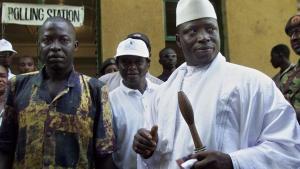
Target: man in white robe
(241,116)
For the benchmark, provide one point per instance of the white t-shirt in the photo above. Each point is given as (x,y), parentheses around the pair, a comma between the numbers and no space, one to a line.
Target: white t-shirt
(129,108)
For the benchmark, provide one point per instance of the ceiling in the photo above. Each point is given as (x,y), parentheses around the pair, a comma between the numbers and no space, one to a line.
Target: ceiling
(28,34)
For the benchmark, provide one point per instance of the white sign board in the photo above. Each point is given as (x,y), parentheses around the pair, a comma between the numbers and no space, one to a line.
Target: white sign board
(34,14)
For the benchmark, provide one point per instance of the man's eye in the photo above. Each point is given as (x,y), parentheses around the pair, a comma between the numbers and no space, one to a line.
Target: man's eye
(64,40)
(47,40)
(191,30)
(210,29)
(139,62)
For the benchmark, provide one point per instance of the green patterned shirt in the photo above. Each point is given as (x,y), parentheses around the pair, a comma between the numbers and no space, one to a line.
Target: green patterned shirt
(70,131)
(290,85)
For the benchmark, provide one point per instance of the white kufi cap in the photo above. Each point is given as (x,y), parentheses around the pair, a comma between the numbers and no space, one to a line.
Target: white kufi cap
(188,10)
(135,47)
(6,46)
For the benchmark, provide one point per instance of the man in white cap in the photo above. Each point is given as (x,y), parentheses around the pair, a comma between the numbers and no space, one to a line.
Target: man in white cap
(241,116)
(113,79)
(6,53)
(130,101)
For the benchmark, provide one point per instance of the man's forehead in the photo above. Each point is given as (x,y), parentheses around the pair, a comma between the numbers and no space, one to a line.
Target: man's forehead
(57,26)
(295,20)
(26,59)
(200,22)
(6,53)
(131,57)
(169,52)
(292,24)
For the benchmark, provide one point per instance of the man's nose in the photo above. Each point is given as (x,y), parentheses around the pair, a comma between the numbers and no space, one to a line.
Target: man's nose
(55,45)
(132,66)
(202,36)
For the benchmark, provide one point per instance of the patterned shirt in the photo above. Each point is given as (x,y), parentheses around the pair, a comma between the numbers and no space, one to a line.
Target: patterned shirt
(277,77)
(290,85)
(71,130)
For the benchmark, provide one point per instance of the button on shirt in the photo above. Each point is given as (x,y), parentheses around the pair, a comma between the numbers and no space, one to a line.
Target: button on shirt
(69,131)
(129,110)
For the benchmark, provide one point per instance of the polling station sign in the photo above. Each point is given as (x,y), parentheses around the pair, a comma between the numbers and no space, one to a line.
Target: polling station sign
(36,14)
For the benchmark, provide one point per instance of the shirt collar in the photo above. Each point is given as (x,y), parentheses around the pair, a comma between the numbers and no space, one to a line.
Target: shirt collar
(72,79)
(149,87)
(192,69)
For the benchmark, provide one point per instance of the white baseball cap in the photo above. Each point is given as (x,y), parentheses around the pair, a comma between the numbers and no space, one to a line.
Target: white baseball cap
(188,10)
(135,47)
(6,46)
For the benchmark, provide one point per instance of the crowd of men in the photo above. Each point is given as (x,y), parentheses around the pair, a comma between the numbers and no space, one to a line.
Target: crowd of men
(57,117)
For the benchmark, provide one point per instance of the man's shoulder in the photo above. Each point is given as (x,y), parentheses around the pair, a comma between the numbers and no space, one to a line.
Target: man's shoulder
(293,72)
(244,71)
(24,77)
(154,79)
(95,86)
(109,77)
(91,80)
(115,94)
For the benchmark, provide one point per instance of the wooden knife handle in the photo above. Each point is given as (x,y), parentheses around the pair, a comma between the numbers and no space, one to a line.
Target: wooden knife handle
(186,110)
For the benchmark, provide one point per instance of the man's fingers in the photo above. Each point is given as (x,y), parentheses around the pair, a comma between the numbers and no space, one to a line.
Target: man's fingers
(153,132)
(145,133)
(143,151)
(201,164)
(142,138)
(200,155)
(144,143)
(142,146)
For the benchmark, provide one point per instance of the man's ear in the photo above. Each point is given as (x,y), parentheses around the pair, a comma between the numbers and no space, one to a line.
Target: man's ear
(159,60)
(117,63)
(76,45)
(178,40)
(149,61)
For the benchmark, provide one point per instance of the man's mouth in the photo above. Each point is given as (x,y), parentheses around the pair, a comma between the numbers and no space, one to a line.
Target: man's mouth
(56,58)
(205,49)
(295,45)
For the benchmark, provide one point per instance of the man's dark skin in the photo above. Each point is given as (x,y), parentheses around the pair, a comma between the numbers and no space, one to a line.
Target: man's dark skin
(278,59)
(26,64)
(200,43)
(6,58)
(168,60)
(133,70)
(294,34)
(57,44)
